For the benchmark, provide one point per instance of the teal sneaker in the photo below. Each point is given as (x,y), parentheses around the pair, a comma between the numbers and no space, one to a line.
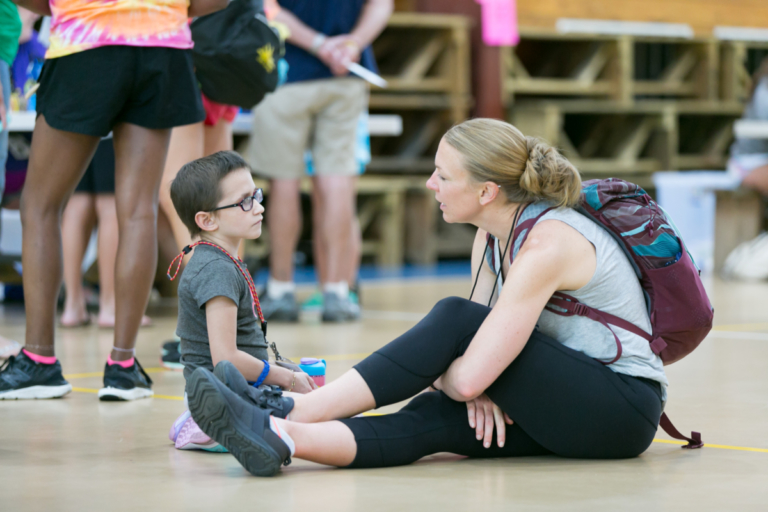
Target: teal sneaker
(314,304)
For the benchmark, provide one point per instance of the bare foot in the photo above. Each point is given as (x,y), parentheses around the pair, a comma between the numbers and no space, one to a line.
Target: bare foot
(108,321)
(8,348)
(71,319)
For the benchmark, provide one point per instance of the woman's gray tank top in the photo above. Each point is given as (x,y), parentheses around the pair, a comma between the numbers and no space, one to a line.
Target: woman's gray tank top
(614,288)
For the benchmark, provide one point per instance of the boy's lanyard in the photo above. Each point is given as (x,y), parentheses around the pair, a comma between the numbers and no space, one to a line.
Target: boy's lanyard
(255,306)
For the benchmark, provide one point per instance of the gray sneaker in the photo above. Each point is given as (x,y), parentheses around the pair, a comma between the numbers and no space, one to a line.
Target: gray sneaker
(266,397)
(242,428)
(284,309)
(337,309)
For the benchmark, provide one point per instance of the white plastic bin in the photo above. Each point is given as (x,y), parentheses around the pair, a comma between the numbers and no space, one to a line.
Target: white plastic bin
(689,198)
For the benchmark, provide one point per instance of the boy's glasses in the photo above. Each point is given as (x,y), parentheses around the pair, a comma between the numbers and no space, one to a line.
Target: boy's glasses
(247,203)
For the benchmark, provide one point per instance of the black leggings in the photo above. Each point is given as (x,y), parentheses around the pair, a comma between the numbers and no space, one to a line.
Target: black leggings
(562,402)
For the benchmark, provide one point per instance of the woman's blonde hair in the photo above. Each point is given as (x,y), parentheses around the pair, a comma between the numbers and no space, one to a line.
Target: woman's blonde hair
(526,169)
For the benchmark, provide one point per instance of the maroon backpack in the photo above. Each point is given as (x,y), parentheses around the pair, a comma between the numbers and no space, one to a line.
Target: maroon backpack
(679,309)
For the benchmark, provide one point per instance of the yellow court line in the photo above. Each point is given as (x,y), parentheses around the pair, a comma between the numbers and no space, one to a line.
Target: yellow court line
(740,327)
(101,374)
(85,390)
(719,446)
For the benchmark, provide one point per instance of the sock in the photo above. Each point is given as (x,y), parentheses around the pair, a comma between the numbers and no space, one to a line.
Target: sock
(124,364)
(39,359)
(341,289)
(276,289)
(282,434)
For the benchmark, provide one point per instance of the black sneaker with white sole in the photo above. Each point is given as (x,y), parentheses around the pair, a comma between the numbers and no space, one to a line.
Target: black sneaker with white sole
(267,397)
(241,427)
(129,383)
(23,378)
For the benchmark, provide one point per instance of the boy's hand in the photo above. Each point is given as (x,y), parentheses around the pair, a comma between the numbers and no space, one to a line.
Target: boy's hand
(303,383)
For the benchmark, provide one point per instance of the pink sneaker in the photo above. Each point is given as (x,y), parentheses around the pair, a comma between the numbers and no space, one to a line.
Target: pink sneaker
(176,427)
(190,437)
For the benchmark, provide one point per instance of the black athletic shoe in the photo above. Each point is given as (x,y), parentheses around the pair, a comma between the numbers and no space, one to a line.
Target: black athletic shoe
(170,355)
(240,427)
(129,383)
(267,397)
(23,378)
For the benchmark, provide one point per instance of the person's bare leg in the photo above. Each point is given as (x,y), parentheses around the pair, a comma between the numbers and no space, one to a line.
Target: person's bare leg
(186,145)
(355,250)
(319,250)
(57,162)
(76,227)
(218,137)
(330,443)
(338,211)
(284,223)
(139,159)
(343,398)
(106,210)
(758,180)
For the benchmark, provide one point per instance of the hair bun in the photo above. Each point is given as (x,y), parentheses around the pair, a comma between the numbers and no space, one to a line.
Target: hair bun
(548,175)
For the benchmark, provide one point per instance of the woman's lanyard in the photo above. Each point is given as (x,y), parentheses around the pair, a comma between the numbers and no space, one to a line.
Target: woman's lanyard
(255,306)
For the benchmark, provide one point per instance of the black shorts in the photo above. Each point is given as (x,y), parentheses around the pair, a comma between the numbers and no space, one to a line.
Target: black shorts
(91,91)
(99,177)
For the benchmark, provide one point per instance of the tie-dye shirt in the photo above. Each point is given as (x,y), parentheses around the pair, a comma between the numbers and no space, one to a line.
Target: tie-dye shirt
(79,25)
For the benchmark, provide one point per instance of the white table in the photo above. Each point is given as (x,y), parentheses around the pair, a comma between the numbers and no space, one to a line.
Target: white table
(378,124)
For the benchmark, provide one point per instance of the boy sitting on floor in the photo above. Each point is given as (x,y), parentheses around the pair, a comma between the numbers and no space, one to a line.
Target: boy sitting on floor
(219,312)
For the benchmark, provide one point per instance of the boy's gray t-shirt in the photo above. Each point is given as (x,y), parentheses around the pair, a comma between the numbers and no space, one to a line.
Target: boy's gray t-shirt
(210,273)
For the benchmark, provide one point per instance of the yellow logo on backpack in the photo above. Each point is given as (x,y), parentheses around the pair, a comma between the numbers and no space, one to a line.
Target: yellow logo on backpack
(266,57)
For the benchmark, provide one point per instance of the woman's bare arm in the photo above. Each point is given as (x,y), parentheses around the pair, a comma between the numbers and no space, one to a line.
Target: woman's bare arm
(555,257)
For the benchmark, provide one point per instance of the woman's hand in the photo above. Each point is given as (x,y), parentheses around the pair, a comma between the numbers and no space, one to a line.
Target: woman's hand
(303,383)
(483,413)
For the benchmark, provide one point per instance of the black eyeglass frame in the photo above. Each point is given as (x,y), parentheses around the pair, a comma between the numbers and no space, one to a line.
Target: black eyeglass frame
(257,197)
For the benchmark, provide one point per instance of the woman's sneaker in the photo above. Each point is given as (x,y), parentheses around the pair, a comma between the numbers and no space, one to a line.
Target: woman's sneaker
(239,426)
(23,378)
(129,383)
(266,397)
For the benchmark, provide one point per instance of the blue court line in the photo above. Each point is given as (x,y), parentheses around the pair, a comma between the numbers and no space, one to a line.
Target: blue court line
(368,273)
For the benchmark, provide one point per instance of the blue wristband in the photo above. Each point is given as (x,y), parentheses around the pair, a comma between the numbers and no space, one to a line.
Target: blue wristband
(263,375)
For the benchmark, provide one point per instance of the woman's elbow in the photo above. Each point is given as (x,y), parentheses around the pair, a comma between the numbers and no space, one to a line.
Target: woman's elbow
(467,391)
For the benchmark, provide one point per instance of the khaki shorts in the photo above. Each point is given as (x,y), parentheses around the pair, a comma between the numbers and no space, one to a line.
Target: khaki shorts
(320,115)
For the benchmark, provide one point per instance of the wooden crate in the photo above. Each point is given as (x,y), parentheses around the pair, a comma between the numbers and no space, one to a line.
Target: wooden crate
(632,141)
(739,60)
(425,58)
(617,68)
(381,212)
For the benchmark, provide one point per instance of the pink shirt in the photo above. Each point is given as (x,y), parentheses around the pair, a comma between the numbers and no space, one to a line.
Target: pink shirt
(79,25)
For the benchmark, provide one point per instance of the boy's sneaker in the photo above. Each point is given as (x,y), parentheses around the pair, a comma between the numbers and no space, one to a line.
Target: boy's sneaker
(23,378)
(284,309)
(236,424)
(338,309)
(170,355)
(266,397)
(129,383)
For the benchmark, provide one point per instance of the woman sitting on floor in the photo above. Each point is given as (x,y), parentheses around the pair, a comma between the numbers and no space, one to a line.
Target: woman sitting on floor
(537,377)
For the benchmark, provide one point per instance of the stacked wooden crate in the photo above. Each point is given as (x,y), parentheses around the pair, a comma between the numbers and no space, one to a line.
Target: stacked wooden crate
(627,106)
(425,58)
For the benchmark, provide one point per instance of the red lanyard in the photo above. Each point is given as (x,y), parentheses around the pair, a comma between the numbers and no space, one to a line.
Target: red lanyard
(247,275)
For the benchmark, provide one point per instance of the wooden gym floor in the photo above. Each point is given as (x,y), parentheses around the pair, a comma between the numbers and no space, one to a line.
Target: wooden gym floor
(80,454)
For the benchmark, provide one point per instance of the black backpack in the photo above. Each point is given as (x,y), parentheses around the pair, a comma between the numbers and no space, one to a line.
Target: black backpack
(236,53)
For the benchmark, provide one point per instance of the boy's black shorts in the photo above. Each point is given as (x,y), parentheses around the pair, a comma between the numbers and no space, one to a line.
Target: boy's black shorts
(99,177)
(91,91)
